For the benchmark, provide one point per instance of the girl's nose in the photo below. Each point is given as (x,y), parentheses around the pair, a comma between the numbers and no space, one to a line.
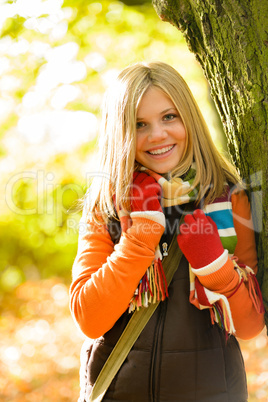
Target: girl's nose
(157,133)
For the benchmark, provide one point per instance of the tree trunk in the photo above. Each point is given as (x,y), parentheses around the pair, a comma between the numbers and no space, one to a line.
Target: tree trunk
(230,41)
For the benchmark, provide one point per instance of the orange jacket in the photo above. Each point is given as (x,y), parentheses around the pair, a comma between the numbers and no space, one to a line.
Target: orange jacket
(105,275)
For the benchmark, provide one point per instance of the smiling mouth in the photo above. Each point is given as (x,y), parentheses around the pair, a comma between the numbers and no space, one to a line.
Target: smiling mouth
(161,151)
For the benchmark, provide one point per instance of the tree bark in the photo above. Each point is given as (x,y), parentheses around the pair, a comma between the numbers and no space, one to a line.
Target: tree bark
(230,41)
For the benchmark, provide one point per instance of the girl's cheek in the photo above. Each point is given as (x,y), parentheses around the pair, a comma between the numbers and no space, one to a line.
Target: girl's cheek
(140,140)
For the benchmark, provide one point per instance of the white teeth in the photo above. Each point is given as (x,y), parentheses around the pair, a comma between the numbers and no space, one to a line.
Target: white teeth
(161,150)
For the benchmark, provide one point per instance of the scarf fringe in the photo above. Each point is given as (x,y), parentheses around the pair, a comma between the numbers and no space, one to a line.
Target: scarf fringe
(255,293)
(218,304)
(247,274)
(153,286)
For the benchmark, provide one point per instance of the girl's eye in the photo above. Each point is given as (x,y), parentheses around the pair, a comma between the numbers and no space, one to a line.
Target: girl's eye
(170,116)
(139,124)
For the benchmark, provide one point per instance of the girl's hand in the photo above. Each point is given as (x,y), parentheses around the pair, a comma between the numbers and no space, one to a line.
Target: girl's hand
(199,239)
(145,193)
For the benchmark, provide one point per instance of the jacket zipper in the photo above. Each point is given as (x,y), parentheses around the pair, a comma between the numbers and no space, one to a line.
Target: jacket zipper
(165,248)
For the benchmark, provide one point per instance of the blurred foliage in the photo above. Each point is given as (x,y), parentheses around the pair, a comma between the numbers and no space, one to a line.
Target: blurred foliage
(39,345)
(56,60)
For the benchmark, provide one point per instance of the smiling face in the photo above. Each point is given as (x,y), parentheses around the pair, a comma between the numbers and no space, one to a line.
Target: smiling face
(160,133)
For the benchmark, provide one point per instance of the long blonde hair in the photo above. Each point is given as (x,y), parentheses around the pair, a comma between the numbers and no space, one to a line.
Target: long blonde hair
(117,143)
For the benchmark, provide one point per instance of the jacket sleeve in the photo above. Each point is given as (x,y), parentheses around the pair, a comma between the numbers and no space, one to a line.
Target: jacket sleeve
(224,278)
(105,276)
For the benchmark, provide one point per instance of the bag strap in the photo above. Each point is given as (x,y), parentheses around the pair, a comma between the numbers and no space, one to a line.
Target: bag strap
(133,329)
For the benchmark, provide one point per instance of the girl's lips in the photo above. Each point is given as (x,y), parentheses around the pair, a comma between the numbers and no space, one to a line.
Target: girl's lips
(162,154)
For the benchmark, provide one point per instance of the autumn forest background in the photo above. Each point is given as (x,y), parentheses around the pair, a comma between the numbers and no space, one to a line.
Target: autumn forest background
(56,60)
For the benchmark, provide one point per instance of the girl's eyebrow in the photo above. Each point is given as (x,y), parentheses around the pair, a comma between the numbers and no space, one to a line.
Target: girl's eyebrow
(167,110)
(163,112)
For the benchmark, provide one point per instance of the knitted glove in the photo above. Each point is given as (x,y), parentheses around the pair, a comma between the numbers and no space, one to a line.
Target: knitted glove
(199,239)
(145,193)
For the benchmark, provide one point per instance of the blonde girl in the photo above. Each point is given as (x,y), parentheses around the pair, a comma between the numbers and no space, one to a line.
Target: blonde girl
(156,159)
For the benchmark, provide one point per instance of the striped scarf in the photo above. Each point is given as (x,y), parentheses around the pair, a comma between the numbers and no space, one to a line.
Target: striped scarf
(153,286)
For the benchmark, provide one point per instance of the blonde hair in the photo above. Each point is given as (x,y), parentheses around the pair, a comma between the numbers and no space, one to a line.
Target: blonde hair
(117,144)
